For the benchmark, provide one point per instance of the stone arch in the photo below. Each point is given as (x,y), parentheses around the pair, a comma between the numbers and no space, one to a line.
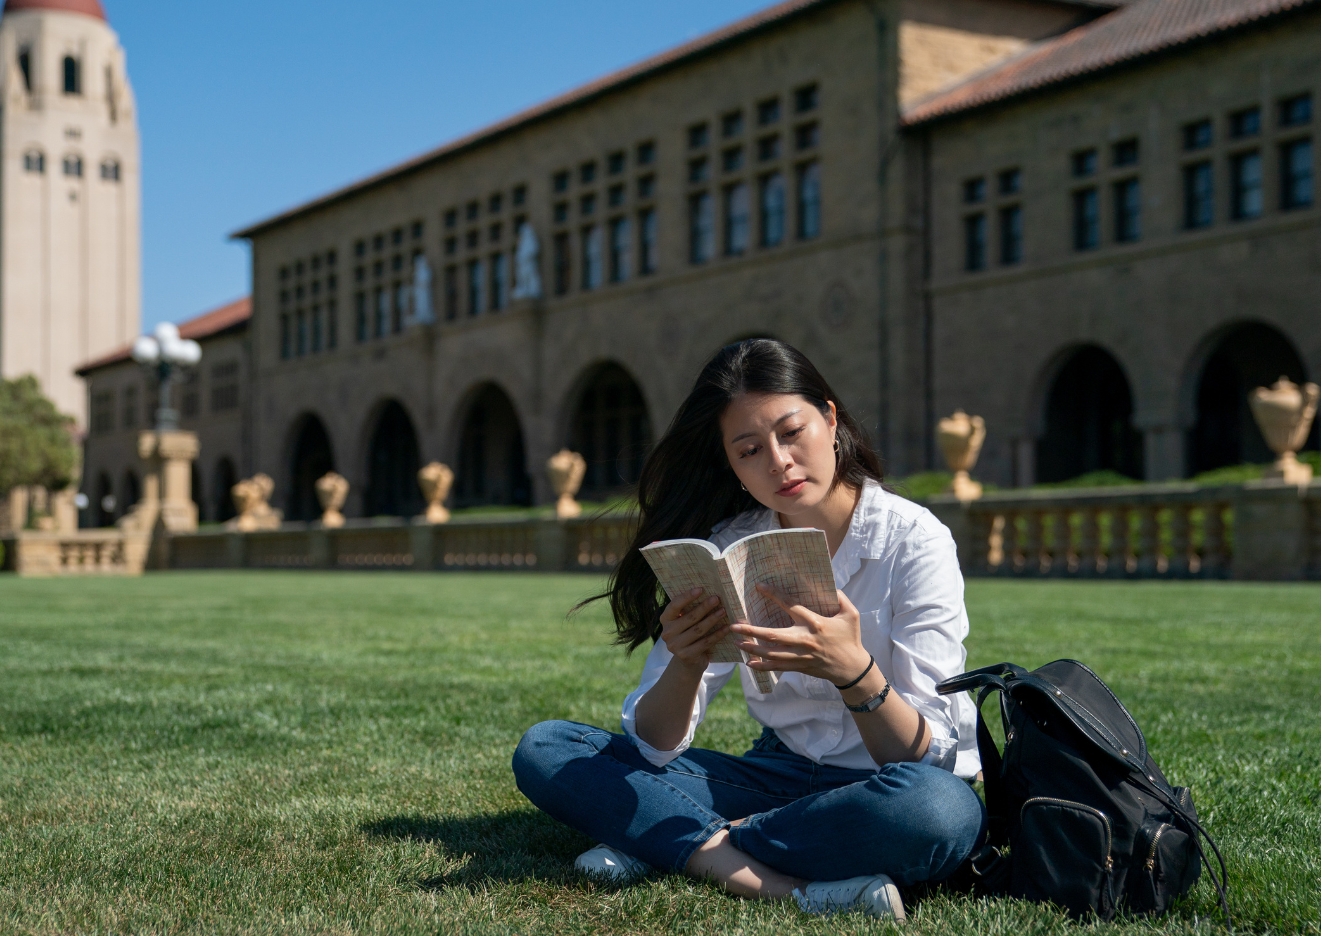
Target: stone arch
(223,480)
(130,489)
(393,461)
(310,456)
(492,467)
(1223,370)
(1085,417)
(105,500)
(609,425)
(195,490)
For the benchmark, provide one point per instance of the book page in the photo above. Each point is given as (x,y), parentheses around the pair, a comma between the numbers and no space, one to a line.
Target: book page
(682,565)
(797,563)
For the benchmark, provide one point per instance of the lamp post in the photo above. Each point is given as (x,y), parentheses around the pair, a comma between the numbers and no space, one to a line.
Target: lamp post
(166,353)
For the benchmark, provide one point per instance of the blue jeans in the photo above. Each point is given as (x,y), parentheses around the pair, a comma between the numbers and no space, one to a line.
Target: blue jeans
(913,822)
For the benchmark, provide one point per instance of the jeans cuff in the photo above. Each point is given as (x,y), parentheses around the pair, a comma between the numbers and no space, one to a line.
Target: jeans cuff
(697,841)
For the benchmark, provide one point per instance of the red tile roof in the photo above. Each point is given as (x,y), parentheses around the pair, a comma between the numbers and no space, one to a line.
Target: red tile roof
(1137,30)
(207,325)
(86,7)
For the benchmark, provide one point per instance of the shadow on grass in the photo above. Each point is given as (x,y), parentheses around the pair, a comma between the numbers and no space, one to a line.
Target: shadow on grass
(514,845)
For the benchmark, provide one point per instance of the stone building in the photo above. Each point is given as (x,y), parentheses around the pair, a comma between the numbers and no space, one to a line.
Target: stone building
(1047,212)
(212,400)
(69,196)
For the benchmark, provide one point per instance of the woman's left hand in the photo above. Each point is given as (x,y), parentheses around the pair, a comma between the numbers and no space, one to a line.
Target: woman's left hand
(829,648)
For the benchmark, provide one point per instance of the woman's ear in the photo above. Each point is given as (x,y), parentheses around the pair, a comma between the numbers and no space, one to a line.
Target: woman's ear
(830,417)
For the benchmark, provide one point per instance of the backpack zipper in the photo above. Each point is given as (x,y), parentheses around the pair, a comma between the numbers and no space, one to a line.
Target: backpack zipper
(1152,849)
(1106,820)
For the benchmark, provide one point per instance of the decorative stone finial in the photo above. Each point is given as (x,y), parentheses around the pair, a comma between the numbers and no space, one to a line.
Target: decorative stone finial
(960,437)
(565,470)
(1284,414)
(332,489)
(435,479)
(251,499)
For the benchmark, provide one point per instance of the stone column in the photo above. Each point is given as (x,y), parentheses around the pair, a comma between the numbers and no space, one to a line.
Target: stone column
(168,478)
(1163,453)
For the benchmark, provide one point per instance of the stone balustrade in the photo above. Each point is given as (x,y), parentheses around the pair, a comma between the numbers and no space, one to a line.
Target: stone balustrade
(1265,530)
(1260,530)
(75,552)
(584,543)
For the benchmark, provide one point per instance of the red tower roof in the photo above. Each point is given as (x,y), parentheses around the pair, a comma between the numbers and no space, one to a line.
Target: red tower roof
(85,7)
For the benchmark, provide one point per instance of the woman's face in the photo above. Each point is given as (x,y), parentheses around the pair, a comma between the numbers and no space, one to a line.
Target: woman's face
(782,448)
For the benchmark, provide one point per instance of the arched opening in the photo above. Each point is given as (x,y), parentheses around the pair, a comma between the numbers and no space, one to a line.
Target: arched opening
(492,466)
(1088,412)
(105,501)
(311,458)
(130,490)
(392,466)
(1224,433)
(195,491)
(224,480)
(611,430)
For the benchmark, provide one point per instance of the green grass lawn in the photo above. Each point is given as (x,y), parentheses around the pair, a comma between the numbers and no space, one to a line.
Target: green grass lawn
(329,753)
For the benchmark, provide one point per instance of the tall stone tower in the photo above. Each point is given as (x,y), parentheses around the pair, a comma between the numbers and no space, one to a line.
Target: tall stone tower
(69,195)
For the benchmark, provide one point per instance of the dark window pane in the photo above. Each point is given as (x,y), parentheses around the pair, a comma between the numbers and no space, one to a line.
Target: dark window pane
(1198,135)
(591,256)
(1246,185)
(697,136)
(647,241)
(975,242)
(732,124)
(1012,235)
(1128,211)
(806,136)
(768,148)
(620,241)
(1086,221)
(615,163)
(732,160)
(1296,110)
(560,181)
(1008,181)
(475,287)
(563,263)
(587,172)
(1125,153)
(810,200)
(1198,206)
(700,228)
(1297,174)
(1245,123)
(736,220)
(975,190)
(646,153)
(1084,162)
(772,197)
(698,169)
(805,98)
(768,111)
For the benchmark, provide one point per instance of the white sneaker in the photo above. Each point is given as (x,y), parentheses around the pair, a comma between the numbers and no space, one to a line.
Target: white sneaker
(877,896)
(606,862)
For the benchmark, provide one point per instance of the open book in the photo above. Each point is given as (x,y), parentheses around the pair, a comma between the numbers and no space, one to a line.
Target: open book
(795,562)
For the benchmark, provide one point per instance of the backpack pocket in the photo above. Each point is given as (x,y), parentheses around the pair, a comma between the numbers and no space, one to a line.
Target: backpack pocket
(1062,855)
(1167,867)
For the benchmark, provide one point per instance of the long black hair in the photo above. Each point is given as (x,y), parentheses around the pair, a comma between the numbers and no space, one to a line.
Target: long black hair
(687,486)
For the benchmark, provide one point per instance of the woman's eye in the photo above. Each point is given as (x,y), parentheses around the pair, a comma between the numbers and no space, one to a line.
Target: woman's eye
(751,450)
(789,434)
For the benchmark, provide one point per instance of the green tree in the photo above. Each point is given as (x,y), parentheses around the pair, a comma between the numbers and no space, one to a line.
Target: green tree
(36,440)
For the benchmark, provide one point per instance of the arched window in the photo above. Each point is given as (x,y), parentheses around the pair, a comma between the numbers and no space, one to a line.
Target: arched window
(110,170)
(34,160)
(25,66)
(73,165)
(73,75)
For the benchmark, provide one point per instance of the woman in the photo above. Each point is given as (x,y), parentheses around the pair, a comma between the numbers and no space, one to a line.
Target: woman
(854,786)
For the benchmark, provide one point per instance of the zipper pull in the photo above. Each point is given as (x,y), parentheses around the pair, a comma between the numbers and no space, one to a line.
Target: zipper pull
(1109,864)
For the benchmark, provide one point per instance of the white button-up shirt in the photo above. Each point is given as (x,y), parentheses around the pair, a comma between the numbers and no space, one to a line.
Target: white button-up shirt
(897,564)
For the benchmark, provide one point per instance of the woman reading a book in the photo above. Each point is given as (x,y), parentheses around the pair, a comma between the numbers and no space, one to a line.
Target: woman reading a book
(858,782)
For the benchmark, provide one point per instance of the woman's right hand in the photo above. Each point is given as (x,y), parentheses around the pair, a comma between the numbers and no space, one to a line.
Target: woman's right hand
(692,625)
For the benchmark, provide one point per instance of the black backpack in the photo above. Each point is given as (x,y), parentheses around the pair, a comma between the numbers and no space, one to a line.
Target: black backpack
(1078,812)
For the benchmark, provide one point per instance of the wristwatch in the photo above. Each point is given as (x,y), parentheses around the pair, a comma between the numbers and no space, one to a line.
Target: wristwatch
(872,704)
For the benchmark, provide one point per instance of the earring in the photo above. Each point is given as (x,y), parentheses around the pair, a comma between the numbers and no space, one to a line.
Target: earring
(741,486)
(836,447)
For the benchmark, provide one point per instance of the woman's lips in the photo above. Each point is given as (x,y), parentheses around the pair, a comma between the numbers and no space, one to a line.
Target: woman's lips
(794,487)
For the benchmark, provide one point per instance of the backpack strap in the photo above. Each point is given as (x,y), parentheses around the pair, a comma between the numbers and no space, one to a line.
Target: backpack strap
(993,789)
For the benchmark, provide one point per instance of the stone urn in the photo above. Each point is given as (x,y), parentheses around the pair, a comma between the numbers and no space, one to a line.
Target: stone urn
(435,479)
(565,470)
(332,489)
(252,500)
(960,437)
(1284,413)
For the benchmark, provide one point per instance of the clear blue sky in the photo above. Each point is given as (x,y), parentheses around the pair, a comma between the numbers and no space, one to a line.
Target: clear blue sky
(247,108)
